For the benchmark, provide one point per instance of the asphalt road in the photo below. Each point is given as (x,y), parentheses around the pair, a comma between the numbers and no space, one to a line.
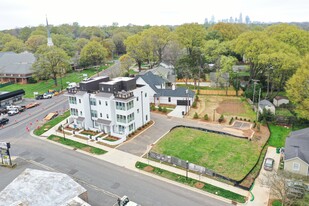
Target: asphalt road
(104,181)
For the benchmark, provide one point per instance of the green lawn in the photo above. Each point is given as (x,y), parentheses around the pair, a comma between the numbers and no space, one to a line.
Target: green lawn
(44,86)
(190,86)
(278,135)
(51,123)
(77,145)
(189,181)
(276,203)
(283,112)
(226,155)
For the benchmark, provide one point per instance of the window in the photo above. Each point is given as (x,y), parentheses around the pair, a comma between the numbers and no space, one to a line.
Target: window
(120,106)
(74,112)
(100,114)
(137,111)
(106,103)
(137,99)
(107,116)
(99,102)
(81,113)
(109,89)
(72,100)
(94,113)
(146,117)
(169,99)
(80,101)
(131,126)
(130,117)
(145,94)
(93,101)
(121,118)
(130,105)
(296,166)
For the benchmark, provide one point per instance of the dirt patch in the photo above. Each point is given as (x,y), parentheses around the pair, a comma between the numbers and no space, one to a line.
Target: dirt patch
(107,145)
(81,137)
(56,139)
(86,149)
(148,169)
(199,185)
(231,107)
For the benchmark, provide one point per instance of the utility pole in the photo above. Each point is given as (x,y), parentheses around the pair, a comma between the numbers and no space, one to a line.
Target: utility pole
(270,68)
(257,111)
(254,83)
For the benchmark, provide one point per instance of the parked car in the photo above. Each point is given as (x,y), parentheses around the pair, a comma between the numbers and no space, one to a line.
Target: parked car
(3,110)
(31,105)
(13,111)
(4,121)
(38,97)
(269,164)
(47,95)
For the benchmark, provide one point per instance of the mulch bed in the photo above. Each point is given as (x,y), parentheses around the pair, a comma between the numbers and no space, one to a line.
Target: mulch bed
(87,149)
(80,137)
(199,185)
(231,107)
(148,169)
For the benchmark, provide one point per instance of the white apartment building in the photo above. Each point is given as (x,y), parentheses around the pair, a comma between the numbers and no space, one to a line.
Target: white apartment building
(117,107)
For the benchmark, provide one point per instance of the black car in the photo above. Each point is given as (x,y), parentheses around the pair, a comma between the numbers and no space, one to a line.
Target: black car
(4,121)
(38,97)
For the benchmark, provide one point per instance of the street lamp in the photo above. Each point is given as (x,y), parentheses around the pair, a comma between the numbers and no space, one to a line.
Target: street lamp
(187,168)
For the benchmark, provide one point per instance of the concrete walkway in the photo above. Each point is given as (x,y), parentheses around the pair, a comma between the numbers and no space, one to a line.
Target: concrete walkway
(128,161)
(261,192)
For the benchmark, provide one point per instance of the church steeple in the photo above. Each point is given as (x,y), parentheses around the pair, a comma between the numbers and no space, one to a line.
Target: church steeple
(49,39)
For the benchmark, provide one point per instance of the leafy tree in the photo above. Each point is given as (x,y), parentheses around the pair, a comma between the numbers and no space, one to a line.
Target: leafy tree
(110,46)
(80,43)
(64,42)
(40,30)
(190,36)
(227,31)
(172,53)
(15,45)
(119,39)
(297,89)
(50,63)
(35,41)
(24,33)
(135,48)
(126,62)
(93,53)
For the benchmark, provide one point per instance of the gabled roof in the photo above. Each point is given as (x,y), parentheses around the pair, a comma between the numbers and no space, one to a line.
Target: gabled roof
(281,97)
(152,80)
(13,63)
(264,103)
(297,145)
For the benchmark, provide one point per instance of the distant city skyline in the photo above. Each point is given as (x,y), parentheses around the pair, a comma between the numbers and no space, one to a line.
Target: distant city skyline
(17,14)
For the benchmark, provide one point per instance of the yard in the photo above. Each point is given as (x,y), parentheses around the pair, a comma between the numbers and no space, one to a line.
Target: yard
(215,106)
(278,135)
(43,86)
(226,155)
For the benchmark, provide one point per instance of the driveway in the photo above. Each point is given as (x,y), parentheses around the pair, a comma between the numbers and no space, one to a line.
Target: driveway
(177,112)
(140,144)
(260,191)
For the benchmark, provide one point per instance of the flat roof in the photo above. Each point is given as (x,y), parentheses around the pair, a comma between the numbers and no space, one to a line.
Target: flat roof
(38,187)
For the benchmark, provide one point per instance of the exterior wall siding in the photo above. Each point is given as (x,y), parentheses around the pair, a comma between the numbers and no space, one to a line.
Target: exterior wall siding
(288,166)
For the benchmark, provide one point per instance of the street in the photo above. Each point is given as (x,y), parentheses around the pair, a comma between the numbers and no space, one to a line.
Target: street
(104,181)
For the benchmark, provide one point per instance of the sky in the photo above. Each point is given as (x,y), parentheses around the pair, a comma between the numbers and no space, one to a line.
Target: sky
(21,13)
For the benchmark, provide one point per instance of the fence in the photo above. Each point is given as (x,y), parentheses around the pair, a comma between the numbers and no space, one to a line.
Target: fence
(220,92)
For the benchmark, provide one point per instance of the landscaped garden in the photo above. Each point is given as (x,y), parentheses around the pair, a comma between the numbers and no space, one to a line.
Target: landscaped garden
(229,156)
(43,86)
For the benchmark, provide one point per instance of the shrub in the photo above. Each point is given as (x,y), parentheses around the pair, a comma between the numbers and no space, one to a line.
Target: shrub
(164,110)
(221,119)
(231,120)
(206,117)
(236,118)
(195,115)
(196,98)
(240,119)
(194,104)
(160,109)
(152,107)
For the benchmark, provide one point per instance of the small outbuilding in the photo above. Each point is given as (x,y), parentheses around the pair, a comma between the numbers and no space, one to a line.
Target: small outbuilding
(279,100)
(265,104)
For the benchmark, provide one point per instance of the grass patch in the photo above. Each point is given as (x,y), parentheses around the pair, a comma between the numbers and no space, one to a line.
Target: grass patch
(77,145)
(283,112)
(191,182)
(226,155)
(278,135)
(51,123)
(43,86)
(131,71)
(276,203)
(192,87)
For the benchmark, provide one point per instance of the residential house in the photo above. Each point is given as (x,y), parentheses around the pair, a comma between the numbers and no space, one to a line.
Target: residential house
(117,107)
(162,92)
(15,67)
(163,70)
(296,152)
(279,100)
(265,104)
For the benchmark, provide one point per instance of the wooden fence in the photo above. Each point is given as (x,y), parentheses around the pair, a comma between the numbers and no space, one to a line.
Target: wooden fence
(220,92)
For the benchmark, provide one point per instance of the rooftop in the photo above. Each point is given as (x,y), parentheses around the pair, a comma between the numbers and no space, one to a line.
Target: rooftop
(37,188)
(13,63)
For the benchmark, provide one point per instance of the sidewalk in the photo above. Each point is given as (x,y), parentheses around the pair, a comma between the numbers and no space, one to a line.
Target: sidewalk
(128,160)
(261,192)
